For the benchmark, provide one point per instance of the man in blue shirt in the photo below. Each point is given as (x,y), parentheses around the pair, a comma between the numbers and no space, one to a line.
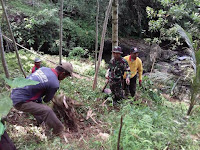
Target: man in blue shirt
(29,98)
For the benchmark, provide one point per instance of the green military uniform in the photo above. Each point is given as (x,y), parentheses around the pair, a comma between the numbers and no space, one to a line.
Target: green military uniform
(115,75)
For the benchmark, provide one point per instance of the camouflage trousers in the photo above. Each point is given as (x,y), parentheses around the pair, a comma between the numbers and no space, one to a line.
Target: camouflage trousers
(117,90)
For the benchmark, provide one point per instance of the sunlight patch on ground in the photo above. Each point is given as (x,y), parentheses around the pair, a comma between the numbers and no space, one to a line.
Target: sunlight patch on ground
(20,131)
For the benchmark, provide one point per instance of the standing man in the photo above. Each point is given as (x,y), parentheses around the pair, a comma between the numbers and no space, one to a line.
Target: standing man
(115,73)
(135,65)
(28,99)
(37,64)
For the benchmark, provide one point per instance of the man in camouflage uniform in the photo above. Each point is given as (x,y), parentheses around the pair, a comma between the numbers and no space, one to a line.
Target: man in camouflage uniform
(115,72)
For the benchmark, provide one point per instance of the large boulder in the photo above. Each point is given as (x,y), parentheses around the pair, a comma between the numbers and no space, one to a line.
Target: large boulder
(155,52)
(172,71)
(162,80)
(163,66)
(168,55)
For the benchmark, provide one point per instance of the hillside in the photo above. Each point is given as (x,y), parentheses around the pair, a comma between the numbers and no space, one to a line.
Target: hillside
(166,34)
(150,121)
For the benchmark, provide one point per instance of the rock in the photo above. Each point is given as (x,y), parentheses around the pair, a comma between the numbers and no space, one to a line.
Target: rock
(183,66)
(167,55)
(155,52)
(169,65)
(162,80)
(163,66)
(103,136)
(184,58)
(182,92)
(160,77)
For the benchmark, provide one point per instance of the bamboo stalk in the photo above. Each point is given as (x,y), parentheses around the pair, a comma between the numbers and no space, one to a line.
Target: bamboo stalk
(5,66)
(102,42)
(97,34)
(61,32)
(119,136)
(114,23)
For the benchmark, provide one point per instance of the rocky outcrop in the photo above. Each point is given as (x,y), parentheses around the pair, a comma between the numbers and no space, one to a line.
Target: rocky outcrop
(173,73)
(170,70)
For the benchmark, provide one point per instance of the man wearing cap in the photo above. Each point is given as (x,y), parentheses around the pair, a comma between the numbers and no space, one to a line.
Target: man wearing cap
(37,64)
(117,67)
(135,65)
(29,98)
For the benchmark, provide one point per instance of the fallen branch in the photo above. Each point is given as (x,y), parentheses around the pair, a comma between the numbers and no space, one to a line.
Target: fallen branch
(172,90)
(33,52)
(90,114)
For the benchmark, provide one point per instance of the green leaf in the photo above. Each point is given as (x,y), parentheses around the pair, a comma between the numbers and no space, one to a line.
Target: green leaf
(2,129)
(20,82)
(5,104)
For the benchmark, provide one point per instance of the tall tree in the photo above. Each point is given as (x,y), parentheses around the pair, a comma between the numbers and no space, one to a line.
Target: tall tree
(61,32)
(97,34)
(12,37)
(114,23)
(102,42)
(5,67)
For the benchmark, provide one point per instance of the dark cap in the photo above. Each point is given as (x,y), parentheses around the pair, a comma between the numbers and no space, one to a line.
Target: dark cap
(67,67)
(117,49)
(134,50)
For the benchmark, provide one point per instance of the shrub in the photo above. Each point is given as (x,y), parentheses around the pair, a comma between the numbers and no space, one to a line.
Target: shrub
(78,52)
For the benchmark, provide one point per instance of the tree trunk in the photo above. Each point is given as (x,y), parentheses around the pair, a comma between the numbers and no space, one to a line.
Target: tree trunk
(137,7)
(102,42)
(61,32)
(12,37)
(190,109)
(97,34)
(192,102)
(5,67)
(114,23)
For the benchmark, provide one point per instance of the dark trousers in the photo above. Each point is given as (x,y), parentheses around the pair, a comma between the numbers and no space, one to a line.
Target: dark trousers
(6,143)
(117,90)
(43,113)
(130,88)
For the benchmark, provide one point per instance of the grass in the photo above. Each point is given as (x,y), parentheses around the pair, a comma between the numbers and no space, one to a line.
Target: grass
(159,124)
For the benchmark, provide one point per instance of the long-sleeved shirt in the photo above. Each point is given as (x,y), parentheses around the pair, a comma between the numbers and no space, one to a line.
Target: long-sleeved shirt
(117,69)
(47,87)
(135,66)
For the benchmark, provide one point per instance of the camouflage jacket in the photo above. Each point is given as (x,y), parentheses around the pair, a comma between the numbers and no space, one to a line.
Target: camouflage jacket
(117,69)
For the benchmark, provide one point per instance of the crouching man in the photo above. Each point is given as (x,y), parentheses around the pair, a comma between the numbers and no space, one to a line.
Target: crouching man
(29,98)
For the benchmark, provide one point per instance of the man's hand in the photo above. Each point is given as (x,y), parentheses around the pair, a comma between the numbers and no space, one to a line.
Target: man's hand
(140,83)
(127,81)
(107,74)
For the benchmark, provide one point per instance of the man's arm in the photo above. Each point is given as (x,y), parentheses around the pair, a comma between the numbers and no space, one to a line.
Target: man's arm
(140,70)
(127,70)
(49,94)
(128,73)
(107,74)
